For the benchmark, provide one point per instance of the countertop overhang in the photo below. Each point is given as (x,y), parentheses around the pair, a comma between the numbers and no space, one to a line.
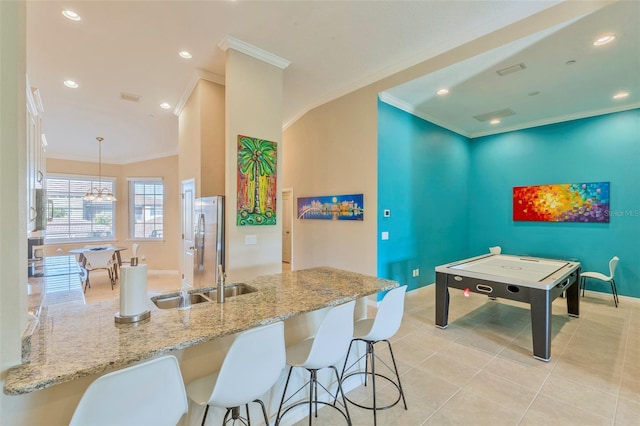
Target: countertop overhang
(74,340)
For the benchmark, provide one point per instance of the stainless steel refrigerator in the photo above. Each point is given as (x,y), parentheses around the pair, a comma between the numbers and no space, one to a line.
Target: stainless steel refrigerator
(209,240)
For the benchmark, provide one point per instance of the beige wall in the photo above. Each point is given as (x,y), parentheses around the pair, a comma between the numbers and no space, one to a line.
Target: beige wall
(159,255)
(13,226)
(253,108)
(332,150)
(212,148)
(201,139)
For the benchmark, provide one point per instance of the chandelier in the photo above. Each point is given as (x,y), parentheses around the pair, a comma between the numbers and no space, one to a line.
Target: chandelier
(99,194)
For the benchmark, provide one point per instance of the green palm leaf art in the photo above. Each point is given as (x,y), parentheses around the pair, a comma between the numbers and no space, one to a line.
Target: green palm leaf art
(257,173)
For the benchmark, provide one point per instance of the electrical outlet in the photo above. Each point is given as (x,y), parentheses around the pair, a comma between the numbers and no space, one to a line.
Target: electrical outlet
(384,236)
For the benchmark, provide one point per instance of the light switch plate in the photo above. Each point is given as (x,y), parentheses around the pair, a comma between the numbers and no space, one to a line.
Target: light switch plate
(386,213)
(250,240)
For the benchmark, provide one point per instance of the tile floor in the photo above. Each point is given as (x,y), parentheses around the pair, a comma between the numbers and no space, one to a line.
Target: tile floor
(480,371)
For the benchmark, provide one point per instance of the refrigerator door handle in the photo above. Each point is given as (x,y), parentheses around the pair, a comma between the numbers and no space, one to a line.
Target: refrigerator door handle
(200,242)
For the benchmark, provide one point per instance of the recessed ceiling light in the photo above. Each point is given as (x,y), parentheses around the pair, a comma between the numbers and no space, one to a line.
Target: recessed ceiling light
(495,121)
(70,83)
(165,105)
(442,92)
(71,15)
(184,54)
(621,95)
(600,41)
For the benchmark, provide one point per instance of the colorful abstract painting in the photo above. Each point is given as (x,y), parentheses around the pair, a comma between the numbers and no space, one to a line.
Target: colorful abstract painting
(332,207)
(257,173)
(567,202)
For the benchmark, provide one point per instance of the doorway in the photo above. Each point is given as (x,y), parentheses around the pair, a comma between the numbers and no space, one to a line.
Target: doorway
(287,228)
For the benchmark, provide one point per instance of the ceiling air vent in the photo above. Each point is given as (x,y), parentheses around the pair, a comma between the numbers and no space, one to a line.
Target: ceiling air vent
(510,70)
(129,97)
(495,114)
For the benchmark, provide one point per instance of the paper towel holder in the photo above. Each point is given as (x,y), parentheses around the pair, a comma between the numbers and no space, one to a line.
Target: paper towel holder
(128,319)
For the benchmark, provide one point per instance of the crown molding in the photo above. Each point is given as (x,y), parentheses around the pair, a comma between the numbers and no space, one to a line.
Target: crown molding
(191,85)
(117,162)
(229,42)
(559,119)
(406,107)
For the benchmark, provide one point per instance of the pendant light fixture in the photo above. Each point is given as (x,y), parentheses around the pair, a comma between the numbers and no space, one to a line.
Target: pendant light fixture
(99,193)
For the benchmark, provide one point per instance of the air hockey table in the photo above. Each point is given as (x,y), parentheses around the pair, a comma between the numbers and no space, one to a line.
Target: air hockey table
(532,280)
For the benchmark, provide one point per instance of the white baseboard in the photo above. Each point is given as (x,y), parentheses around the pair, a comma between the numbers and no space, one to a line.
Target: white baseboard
(162,272)
(608,296)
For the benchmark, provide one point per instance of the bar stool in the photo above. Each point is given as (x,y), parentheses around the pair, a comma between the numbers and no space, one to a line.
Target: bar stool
(151,392)
(250,368)
(323,350)
(371,331)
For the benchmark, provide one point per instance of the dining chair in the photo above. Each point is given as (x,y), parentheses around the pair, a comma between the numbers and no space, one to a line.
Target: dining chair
(613,263)
(95,259)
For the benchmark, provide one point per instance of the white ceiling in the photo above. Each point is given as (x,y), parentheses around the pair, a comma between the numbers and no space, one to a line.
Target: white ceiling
(334,47)
(565,77)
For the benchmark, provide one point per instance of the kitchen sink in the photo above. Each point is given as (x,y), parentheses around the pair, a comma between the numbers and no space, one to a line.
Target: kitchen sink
(171,301)
(230,290)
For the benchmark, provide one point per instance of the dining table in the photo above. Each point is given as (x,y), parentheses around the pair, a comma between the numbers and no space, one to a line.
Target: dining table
(116,254)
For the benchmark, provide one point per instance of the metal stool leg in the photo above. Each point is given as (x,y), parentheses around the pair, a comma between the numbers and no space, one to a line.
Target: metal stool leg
(370,360)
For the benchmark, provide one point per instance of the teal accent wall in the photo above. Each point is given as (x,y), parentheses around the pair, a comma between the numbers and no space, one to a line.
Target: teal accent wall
(605,148)
(422,180)
(450,197)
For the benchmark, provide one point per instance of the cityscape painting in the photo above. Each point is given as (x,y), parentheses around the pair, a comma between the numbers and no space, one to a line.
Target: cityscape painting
(257,173)
(332,207)
(566,202)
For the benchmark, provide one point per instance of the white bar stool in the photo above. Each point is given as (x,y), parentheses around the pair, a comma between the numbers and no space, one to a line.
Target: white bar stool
(149,393)
(371,331)
(250,368)
(323,350)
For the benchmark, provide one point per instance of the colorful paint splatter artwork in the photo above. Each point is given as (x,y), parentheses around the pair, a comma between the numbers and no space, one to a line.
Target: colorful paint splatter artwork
(567,202)
(257,173)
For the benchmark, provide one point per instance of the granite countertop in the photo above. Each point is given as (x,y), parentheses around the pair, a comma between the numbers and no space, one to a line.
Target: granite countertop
(75,340)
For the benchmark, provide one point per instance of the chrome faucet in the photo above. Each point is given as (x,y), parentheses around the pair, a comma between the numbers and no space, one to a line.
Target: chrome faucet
(220,290)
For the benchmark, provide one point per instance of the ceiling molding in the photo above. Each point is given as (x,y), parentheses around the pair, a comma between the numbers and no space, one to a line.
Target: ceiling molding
(559,119)
(229,42)
(118,163)
(408,108)
(193,82)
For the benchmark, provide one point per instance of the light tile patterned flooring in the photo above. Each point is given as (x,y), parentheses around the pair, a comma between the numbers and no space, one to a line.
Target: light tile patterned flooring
(480,371)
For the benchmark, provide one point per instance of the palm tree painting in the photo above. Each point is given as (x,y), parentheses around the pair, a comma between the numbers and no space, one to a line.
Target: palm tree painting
(256,181)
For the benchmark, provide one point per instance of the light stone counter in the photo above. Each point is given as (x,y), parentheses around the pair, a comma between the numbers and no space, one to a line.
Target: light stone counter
(74,340)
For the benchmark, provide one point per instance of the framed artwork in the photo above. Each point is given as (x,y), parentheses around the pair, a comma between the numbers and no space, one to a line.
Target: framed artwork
(565,202)
(332,207)
(257,174)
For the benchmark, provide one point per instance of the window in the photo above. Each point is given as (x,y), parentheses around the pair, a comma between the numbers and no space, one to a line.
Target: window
(72,218)
(146,208)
